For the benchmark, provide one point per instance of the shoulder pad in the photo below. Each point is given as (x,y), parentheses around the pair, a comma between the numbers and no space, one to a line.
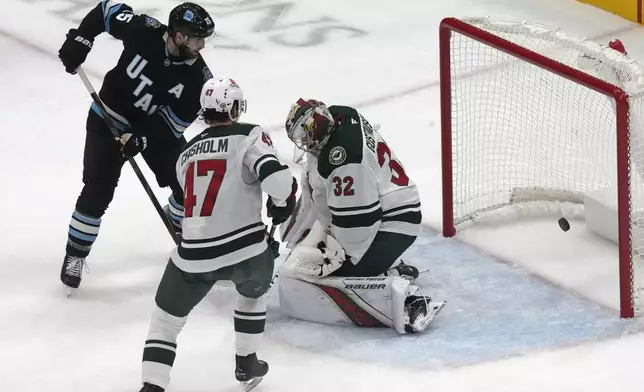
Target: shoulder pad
(344,147)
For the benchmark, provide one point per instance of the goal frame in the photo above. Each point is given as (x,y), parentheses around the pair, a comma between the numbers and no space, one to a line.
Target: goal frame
(447,28)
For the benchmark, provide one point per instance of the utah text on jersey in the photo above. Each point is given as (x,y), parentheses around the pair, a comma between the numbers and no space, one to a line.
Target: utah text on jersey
(147,80)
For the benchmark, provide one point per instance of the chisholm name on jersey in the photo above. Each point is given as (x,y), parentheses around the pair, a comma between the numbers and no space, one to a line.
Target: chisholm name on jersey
(208,146)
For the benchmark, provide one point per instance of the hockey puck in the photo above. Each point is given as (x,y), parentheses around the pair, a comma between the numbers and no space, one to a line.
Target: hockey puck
(564,224)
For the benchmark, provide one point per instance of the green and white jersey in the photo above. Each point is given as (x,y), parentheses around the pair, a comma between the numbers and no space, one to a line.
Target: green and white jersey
(223,172)
(359,187)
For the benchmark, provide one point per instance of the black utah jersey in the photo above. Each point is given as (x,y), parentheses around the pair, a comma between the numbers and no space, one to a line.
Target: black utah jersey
(146,80)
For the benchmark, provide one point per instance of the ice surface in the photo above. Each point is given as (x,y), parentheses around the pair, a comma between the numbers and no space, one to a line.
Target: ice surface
(94,341)
(494,310)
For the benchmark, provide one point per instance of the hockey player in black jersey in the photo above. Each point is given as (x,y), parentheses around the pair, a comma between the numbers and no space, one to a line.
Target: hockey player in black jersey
(225,169)
(152,95)
(358,213)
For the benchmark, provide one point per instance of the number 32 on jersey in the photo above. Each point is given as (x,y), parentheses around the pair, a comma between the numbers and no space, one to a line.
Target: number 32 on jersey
(344,186)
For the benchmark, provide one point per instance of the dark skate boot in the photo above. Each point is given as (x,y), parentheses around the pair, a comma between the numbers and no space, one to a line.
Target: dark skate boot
(147,387)
(419,312)
(250,370)
(405,271)
(71,272)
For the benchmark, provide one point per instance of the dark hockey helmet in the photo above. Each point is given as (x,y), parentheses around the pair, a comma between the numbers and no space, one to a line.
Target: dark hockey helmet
(309,124)
(191,20)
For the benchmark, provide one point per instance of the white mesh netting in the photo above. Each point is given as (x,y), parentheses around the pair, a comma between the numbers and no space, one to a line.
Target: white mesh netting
(522,133)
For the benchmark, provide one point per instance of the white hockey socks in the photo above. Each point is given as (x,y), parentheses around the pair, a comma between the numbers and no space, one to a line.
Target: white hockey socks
(160,347)
(250,319)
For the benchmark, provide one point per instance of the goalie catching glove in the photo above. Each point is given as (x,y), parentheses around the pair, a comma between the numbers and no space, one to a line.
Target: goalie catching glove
(319,261)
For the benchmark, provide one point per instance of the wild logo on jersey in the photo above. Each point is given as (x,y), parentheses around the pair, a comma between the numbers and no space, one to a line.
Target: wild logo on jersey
(337,155)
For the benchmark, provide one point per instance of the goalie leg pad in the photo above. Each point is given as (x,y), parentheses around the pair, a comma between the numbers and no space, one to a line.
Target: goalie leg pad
(365,302)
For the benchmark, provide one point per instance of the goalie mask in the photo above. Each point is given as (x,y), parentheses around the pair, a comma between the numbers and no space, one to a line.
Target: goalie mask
(309,125)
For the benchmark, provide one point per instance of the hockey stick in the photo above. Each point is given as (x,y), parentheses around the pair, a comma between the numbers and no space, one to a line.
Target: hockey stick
(277,274)
(271,233)
(135,166)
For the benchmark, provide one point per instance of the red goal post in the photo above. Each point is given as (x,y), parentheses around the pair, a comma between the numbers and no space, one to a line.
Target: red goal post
(522,121)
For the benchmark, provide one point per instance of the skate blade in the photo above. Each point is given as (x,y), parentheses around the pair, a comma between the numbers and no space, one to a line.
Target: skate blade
(435,309)
(249,385)
(68,291)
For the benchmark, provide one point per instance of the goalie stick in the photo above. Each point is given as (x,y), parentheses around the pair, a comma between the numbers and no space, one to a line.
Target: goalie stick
(135,166)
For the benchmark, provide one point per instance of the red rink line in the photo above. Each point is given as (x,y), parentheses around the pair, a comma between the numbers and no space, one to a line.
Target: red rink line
(366,103)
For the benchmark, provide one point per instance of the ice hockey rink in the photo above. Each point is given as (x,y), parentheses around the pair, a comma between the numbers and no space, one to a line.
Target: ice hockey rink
(530,308)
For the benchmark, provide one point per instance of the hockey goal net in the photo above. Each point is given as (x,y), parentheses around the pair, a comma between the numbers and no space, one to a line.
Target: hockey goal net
(533,114)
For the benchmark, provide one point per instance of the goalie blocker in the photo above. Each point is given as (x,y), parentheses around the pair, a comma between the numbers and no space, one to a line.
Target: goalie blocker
(379,301)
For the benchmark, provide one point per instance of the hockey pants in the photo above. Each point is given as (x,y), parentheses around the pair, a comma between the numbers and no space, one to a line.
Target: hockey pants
(179,292)
(385,249)
(102,164)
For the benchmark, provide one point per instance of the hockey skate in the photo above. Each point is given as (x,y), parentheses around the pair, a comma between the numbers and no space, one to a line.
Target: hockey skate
(147,387)
(420,311)
(250,371)
(71,273)
(405,271)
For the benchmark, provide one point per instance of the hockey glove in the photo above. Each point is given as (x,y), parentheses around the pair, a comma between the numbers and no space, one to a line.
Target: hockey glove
(274,247)
(74,50)
(132,144)
(281,214)
(333,257)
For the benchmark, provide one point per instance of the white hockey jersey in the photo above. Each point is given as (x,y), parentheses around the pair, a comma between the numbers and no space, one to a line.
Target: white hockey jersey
(223,172)
(358,186)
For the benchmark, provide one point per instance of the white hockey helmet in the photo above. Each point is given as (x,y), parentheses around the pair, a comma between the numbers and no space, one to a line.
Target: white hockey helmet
(223,95)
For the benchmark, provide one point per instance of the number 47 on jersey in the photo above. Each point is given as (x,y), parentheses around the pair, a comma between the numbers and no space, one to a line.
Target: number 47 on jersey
(203,168)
